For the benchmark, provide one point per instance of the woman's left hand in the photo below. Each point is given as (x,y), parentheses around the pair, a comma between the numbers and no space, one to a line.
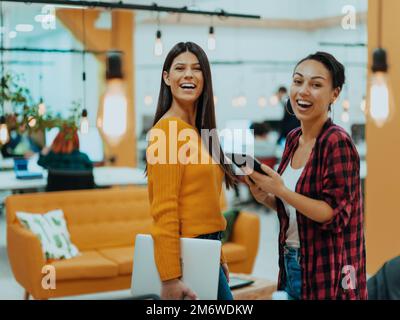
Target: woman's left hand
(226,270)
(272,182)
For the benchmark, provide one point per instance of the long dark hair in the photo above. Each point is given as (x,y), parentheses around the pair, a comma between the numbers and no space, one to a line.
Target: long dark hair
(205,113)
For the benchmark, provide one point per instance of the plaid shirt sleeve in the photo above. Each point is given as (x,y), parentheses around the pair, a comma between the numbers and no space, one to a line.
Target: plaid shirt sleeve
(340,180)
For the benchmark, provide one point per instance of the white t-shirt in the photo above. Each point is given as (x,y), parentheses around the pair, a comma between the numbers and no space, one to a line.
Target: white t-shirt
(291,176)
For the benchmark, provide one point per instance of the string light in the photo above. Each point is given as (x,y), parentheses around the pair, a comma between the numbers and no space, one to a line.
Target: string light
(215,100)
(212,41)
(346,104)
(113,112)
(148,100)
(4,134)
(273,100)
(363,105)
(84,125)
(381,103)
(158,45)
(262,102)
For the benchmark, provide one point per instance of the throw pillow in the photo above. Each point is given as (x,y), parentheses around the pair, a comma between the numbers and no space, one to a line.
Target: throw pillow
(51,229)
(230,217)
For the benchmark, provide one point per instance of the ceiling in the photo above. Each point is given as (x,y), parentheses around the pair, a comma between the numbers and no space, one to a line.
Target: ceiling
(275,13)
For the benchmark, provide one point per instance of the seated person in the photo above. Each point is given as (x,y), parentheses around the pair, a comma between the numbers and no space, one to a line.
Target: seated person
(69,169)
(385,284)
(64,153)
(21,144)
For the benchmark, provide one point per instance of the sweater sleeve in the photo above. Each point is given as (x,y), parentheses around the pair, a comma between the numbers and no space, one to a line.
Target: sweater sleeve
(165,176)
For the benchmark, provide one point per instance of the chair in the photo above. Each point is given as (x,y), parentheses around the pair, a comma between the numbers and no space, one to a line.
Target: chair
(385,284)
(60,180)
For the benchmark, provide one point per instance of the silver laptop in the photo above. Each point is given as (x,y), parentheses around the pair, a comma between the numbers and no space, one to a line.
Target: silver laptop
(200,267)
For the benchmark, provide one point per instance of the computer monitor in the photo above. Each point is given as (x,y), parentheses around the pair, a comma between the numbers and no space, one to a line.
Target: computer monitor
(90,143)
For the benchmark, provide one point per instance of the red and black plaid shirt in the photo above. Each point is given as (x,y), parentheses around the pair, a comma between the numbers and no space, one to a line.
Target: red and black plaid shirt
(333,253)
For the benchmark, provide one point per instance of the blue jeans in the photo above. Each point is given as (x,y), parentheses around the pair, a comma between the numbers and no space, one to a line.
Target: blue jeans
(224,291)
(293,273)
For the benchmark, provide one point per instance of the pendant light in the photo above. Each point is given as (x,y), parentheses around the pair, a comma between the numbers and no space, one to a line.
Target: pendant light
(158,45)
(84,122)
(4,134)
(113,111)
(212,41)
(41,106)
(381,103)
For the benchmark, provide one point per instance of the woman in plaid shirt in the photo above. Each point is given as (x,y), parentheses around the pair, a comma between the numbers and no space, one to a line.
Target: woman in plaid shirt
(317,192)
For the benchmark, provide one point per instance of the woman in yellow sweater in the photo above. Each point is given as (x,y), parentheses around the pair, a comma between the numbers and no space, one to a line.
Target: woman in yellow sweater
(184,176)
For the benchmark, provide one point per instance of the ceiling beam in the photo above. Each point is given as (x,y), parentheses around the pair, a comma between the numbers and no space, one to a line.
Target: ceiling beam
(264,23)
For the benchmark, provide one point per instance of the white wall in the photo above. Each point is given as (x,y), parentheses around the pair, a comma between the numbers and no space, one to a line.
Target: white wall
(252,80)
(62,73)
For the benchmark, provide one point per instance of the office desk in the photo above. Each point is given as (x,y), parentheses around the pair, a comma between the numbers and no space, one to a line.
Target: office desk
(103,177)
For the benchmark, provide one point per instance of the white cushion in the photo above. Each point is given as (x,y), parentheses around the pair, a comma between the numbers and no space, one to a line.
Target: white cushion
(51,229)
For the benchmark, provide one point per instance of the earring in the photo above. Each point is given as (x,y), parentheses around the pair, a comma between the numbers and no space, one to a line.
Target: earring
(288,106)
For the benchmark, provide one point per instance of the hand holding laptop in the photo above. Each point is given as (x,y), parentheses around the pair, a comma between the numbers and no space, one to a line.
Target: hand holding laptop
(175,289)
(200,262)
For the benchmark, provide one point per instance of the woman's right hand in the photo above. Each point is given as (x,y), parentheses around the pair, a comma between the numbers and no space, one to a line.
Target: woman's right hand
(261,196)
(175,289)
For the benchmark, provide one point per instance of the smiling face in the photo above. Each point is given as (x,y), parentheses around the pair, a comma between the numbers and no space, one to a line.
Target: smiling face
(311,91)
(185,78)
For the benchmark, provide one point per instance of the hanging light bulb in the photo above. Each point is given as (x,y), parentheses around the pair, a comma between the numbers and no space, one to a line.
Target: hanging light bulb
(381,104)
(84,125)
(212,42)
(215,100)
(242,101)
(4,135)
(273,100)
(158,46)
(148,100)
(41,107)
(346,104)
(31,122)
(345,116)
(363,105)
(262,101)
(113,111)
(235,102)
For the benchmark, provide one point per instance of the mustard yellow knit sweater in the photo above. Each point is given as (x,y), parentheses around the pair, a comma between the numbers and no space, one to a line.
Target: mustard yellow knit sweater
(184,197)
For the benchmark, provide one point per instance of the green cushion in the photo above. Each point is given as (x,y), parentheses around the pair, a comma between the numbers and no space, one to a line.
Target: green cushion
(230,217)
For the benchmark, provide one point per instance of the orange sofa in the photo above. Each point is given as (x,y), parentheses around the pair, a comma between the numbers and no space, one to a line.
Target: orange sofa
(103,225)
